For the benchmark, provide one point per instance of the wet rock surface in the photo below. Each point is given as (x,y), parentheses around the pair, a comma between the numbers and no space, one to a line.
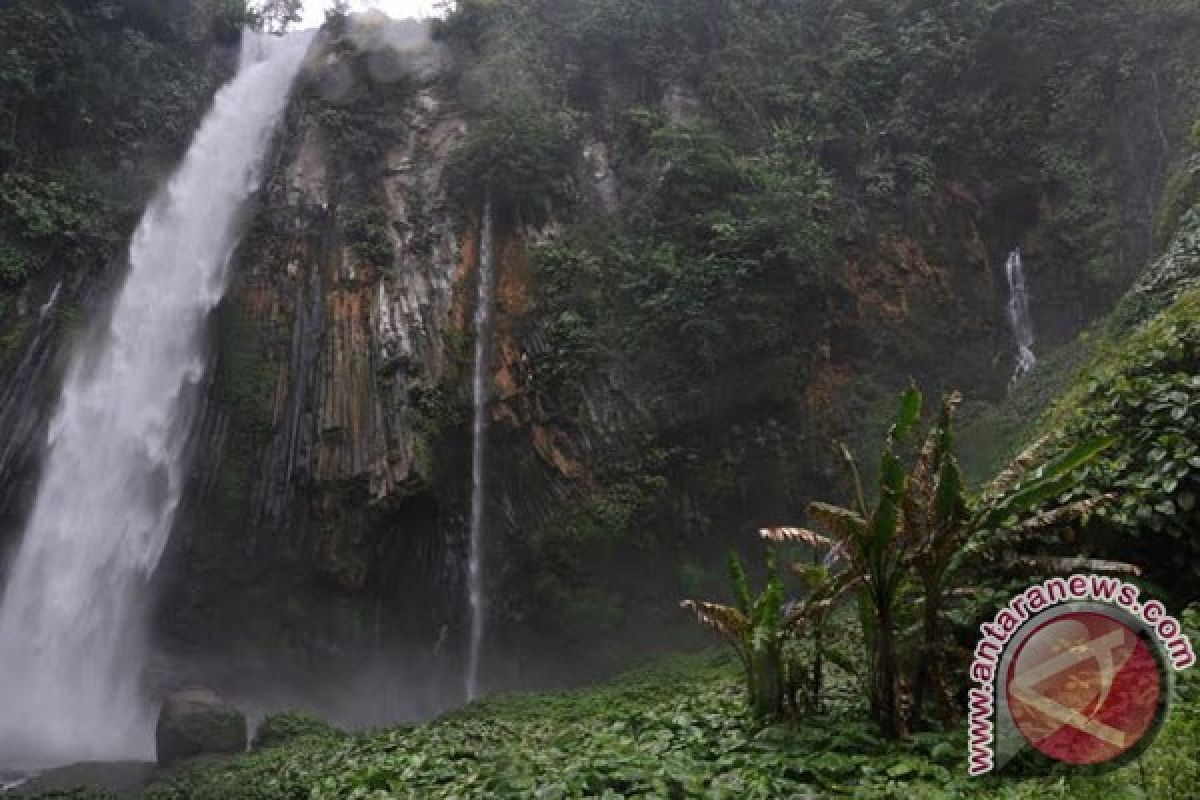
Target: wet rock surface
(120,778)
(197,722)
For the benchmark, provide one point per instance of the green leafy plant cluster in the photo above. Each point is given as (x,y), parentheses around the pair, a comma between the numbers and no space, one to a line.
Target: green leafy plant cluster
(91,94)
(518,154)
(909,548)
(1147,398)
(287,726)
(367,228)
(725,254)
(675,729)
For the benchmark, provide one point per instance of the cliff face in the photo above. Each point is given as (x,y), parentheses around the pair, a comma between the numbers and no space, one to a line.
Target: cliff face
(679,332)
(312,506)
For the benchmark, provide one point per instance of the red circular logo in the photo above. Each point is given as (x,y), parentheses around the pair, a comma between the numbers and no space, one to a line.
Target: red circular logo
(1084,688)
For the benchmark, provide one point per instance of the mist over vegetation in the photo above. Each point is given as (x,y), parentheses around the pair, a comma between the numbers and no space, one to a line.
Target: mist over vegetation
(749,361)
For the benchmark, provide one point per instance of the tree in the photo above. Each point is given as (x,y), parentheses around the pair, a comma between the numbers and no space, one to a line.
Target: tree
(924,530)
(276,16)
(909,547)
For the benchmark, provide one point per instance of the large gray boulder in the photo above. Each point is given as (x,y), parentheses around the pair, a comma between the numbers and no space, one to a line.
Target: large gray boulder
(197,722)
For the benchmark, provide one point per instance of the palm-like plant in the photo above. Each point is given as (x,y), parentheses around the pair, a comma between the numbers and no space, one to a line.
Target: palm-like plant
(915,539)
(923,529)
(947,530)
(810,615)
(875,553)
(756,630)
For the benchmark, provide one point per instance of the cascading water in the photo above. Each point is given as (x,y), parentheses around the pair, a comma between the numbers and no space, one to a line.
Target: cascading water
(479,386)
(73,613)
(1019,318)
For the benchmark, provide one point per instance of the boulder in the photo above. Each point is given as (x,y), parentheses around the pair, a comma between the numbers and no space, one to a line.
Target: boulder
(197,722)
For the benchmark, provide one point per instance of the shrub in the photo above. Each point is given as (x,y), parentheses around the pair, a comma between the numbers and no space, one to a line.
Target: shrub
(277,729)
(519,155)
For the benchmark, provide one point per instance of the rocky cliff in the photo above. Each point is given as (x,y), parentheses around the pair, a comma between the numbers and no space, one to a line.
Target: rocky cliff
(714,255)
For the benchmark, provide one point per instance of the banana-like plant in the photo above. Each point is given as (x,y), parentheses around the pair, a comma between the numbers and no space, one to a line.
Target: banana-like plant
(915,539)
(871,534)
(809,616)
(756,630)
(922,530)
(947,530)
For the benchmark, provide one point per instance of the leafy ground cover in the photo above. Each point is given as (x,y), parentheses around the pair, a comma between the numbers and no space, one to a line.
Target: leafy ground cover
(676,729)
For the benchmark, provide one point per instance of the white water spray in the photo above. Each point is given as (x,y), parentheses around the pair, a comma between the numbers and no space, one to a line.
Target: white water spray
(49,305)
(479,385)
(73,614)
(1019,318)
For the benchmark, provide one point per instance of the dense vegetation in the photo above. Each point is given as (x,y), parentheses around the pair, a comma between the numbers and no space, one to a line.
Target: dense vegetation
(1133,377)
(676,729)
(909,556)
(771,160)
(813,199)
(96,98)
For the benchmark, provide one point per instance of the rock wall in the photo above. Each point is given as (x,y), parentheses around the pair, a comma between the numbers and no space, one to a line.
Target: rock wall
(311,522)
(326,515)
(328,510)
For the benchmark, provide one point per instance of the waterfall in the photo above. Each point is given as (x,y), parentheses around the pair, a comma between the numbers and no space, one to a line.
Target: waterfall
(1019,318)
(49,305)
(73,616)
(479,386)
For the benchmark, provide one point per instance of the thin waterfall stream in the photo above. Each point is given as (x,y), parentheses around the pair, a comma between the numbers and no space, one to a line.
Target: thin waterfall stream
(479,387)
(73,615)
(1019,318)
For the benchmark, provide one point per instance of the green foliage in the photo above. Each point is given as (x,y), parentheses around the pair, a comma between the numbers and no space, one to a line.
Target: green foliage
(245,376)
(276,16)
(89,93)
(361,132)
(231,17)
(368,229)
(1182,193)
(361,109)
(519,155)
(672,730)
(875,547)
(49,212)
(1164,280)
(287,726)
(1148,399)
(917,538)
(723,259)
(624,493)
(17,262)
(756,629)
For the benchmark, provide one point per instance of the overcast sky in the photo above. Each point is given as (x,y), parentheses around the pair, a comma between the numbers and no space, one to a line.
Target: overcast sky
(314,10)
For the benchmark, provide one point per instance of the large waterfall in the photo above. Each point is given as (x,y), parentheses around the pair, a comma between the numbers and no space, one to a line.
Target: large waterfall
(1019,318)
(73,616)
(479,385)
